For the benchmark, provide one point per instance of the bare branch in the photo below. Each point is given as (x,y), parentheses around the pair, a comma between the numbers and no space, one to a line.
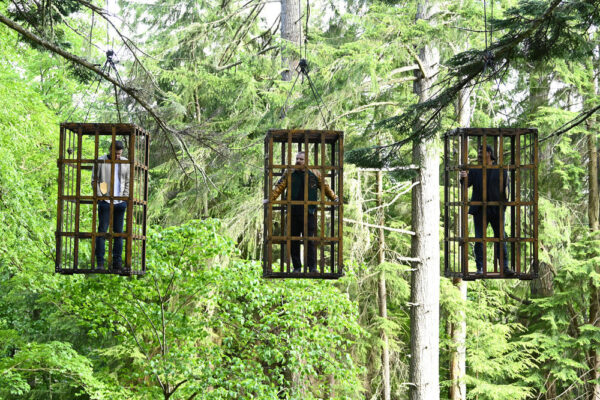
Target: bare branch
(380,226)
(366,106)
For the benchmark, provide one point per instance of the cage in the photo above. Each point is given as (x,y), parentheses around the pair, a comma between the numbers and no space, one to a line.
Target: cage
(91,213)
(500,192)
(287,251)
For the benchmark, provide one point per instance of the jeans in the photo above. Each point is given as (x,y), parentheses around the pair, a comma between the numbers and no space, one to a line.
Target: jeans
(103,223)
(296,229)
(494,219)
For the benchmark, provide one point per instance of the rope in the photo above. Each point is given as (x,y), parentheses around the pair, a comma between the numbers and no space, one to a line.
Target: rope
(302,69)
(282,112)
(488,56)
(299,21)
(306,29)
(484,24)
(491,26)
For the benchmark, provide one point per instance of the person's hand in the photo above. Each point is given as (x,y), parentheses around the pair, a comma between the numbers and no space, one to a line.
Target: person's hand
(265,201)
(336,200)
(463,174)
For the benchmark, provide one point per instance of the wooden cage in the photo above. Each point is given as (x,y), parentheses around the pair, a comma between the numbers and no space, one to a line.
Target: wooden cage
(87,151)
(508,183)
(284,216)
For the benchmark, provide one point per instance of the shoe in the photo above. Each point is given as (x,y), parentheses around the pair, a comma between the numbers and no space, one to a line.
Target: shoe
(117,265)
(313,270)
(297,270)
(509,272)
(479,272)
(100,265)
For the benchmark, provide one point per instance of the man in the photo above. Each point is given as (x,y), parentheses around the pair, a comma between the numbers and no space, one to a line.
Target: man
(495,192)
(297,216)
(120,187)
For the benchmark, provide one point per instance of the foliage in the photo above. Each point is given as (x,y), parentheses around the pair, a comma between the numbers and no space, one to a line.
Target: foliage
(498,366)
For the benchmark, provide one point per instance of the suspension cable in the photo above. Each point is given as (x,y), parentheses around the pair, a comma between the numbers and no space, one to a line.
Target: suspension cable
(484,24)
(302,70)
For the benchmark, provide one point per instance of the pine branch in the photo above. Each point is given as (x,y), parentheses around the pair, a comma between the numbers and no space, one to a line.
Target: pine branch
(132,92)
(468,69)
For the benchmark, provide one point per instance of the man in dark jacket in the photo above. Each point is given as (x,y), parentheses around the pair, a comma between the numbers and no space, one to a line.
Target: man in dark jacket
(297,216)
(496,191)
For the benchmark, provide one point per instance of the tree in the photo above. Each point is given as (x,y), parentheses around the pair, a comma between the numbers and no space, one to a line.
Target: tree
(291,35)
(424,340)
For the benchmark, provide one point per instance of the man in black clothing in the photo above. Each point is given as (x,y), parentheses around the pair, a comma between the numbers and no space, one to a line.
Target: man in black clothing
(496,191)
(297,216)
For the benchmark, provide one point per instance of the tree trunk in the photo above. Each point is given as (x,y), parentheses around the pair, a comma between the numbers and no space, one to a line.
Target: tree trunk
(593,200)
(593,211)
(539,93)
(425,278)
(594,222)
(385,351)
(291,34)
(458,329)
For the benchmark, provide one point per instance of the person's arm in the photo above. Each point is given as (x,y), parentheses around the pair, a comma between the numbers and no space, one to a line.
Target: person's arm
(126,169)
(328,192)
(279,187)
(96,171)
(93,176)
(468,175)
(506,188)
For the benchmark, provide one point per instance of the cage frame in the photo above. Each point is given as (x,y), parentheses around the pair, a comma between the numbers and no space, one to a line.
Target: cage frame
(514,169)
(138,142)
(302,138)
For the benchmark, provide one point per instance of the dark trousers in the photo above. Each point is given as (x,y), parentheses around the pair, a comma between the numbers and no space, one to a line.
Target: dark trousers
(494,219)
(297,228)
(103,222)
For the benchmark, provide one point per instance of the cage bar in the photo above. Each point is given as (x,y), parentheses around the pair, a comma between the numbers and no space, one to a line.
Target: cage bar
(80,148)
(324,158)
(516,153)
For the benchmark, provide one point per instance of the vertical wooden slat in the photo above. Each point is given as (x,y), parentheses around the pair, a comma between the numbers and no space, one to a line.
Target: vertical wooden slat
(457,209)
(270,206)
(324,175)
(135,174)
(305,207)
(71,202)
(68,203)
(132,171)
(95,197)
(446,200)
(534,270)
(513,243)
(266,192)
(78,195)
(484,200)
(501,242)
(464,204)
(111,193)
(283,210)
(60,202)
(340,247)
(333,263)
(145,206)
(518,200)
(288,227)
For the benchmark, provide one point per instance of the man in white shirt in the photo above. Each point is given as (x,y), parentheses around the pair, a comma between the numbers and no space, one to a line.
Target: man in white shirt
(120,188)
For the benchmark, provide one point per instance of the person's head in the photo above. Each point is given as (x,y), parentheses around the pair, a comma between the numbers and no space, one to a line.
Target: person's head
(489,155)
(300,158)
(119,146)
